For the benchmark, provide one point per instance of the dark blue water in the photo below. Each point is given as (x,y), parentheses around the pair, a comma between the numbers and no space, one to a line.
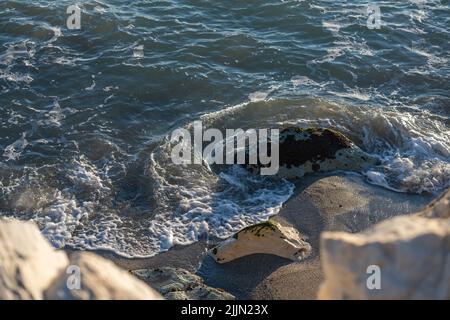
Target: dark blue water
(85,114)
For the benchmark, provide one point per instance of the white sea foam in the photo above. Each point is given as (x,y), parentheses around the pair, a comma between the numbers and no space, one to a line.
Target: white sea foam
(197,202)
(62,217)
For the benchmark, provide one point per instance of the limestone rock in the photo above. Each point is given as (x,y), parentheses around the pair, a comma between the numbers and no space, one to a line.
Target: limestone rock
(31,269)
(268,237)
(28,264)
(412,253)
(100,279)
(180,284)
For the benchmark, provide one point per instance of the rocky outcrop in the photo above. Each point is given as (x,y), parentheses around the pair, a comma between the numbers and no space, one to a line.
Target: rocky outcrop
(406,257)
(28,264)
(31,269)
(180,284)
(268,237)
(307,150)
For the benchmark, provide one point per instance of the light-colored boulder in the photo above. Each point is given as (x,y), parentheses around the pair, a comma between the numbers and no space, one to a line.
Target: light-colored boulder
(411,252)
(268,237)
(180,284)
(100,279)
(28,264)
(31,269)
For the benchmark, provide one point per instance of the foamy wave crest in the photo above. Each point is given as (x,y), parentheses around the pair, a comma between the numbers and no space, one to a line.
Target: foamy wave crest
(416,152)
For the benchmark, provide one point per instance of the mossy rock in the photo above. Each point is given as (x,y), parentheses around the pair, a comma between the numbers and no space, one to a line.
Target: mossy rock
(267,237)
(308,150)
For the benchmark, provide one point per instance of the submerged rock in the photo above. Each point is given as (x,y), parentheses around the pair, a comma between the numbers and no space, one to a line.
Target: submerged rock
(31,269)
(267,237)
(317,150)
(180,284)
(411,255)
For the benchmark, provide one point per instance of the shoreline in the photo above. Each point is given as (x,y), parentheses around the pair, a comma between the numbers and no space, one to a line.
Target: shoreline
(333,202)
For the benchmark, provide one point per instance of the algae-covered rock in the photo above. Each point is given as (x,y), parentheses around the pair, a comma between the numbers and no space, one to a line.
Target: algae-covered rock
(267,237)
(307,150)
